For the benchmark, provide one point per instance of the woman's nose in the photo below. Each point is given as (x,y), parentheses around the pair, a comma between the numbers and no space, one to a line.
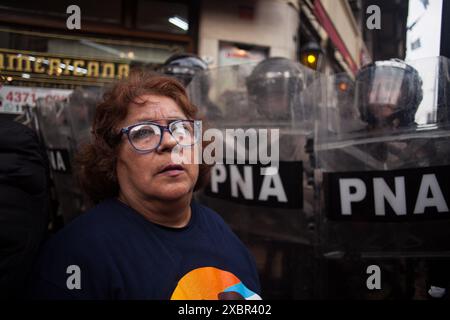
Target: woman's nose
(168,142)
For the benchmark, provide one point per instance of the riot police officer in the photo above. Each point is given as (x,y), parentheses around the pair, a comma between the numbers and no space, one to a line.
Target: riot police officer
(397,143)
(388,93)
(65,125)
(274,86)
(183,66)
(277,228)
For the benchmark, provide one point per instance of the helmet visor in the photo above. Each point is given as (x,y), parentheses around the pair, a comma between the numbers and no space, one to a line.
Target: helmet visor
(385,93)
(381,86)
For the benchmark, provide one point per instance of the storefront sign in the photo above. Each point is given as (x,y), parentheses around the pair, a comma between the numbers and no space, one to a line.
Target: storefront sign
(12,98)
(35,66)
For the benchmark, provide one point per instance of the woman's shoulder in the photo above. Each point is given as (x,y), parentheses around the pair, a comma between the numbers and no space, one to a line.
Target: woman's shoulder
(211,221)
(218,230)
(87,243)
(207,213)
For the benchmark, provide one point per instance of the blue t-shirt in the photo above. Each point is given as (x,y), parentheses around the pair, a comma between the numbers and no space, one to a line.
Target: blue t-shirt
(113,252)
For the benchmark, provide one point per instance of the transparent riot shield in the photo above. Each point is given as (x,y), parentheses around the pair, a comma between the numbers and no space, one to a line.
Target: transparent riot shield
(257,113)
(64,126)
(383,177)
(80,113)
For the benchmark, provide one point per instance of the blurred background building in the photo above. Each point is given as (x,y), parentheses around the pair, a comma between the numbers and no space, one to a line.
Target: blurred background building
(330,35)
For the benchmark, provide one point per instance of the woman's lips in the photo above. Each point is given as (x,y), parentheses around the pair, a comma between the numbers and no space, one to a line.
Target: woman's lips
(172,170)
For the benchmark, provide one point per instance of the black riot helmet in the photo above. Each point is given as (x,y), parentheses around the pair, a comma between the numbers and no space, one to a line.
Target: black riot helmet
(388,92)
(183,66)
(274,87)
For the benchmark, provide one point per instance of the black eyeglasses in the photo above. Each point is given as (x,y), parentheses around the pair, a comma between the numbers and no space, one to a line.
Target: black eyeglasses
(147,136)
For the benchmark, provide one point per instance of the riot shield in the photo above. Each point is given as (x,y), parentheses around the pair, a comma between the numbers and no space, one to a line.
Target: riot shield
(383,180)
(64,125)
(80,113)
(256,111)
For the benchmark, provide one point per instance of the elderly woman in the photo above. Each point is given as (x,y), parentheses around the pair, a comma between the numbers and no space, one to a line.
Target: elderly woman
(146,238)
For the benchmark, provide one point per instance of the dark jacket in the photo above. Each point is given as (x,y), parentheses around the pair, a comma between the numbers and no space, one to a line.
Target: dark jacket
(24,205)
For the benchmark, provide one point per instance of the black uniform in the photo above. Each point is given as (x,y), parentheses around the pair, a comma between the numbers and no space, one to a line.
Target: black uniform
(24,205)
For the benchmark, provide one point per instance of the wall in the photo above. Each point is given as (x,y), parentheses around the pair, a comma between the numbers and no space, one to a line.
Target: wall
(271,23)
